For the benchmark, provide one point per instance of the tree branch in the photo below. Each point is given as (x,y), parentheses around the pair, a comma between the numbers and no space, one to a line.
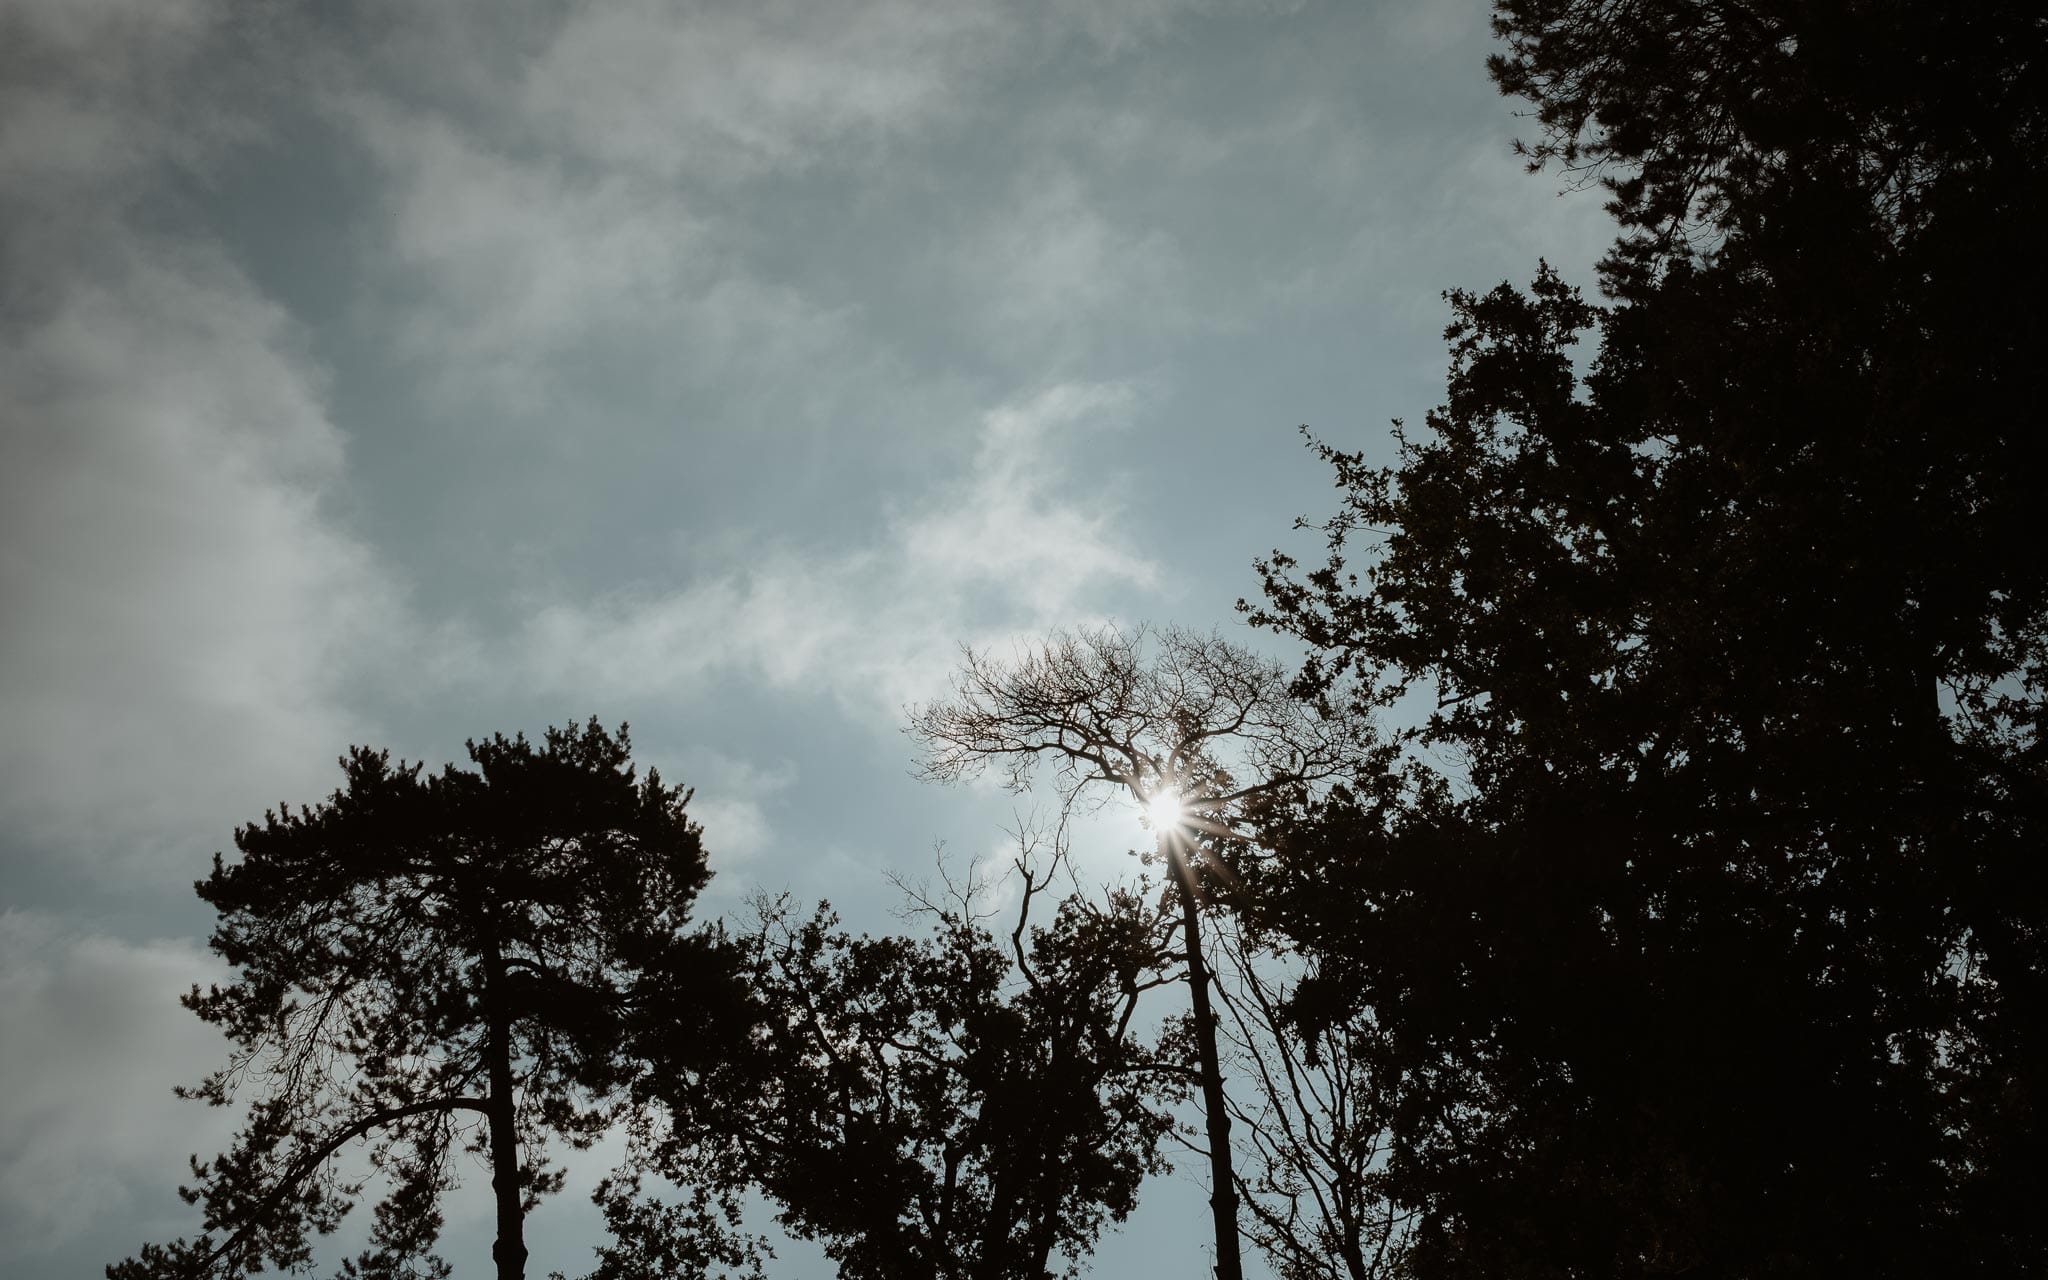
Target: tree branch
(306,1164)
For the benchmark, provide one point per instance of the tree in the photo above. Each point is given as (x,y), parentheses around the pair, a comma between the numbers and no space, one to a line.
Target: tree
(431,963)
(1316,1120)
(1191,727)
(1718,867)
(1703,120)
(1716,947)
(964,1104)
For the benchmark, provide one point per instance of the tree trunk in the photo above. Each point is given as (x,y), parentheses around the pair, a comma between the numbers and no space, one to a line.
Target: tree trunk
(1222,1184)
(1008,1196)
(1045,1216)
(1040,1253)
(509,1251)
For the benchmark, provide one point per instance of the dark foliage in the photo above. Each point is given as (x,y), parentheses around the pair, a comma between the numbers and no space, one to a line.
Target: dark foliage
(1701,118)
(969,1104)
(434,964)
(1705,926)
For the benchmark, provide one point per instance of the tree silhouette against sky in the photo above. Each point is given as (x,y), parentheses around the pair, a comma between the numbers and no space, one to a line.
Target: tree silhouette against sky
(1193,729)
(437,964)
(1719,945)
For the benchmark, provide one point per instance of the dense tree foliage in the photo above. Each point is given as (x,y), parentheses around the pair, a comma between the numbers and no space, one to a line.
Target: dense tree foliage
(439,964)
(1704,922)
(1703,119)
(971,1103)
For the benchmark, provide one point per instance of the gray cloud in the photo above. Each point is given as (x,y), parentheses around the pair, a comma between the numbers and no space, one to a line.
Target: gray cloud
(182,612)
(89,1130)
(739,89)
(182,607)
(96,99)
(1010,548)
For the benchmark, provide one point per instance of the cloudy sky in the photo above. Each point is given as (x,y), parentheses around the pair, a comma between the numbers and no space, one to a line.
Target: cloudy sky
(398,373)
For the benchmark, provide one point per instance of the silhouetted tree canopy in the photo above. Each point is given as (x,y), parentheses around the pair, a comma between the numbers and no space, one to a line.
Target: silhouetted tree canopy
(1157,713)
(1715,117)
(972,1103)
(1704,924)
(440,965)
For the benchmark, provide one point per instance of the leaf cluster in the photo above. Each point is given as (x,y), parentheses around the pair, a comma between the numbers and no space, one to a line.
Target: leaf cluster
(1702,921)
(956,1104)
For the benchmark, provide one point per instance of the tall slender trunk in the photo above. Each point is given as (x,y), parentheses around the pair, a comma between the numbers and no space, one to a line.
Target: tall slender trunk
(509,1251)
(1222,1184)
(1045,1207)
(1353,1246)
(1003,1202)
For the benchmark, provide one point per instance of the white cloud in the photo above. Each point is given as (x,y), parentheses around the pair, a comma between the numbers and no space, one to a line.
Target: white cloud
(1015,525)
(731,802)
(716,92)
(1114,26)
(520,259)
(1014,546)
(582,195)
(709,89)
(87,1120)
(181,607)
(181,611)
(1044,275)
(551,204)
(502,265)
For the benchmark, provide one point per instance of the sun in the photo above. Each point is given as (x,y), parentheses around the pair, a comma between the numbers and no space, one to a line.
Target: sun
(1165,809)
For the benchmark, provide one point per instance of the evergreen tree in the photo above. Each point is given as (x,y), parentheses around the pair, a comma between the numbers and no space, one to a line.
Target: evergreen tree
(437,964)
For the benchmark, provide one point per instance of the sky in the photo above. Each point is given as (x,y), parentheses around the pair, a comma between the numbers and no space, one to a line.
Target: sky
(400,373)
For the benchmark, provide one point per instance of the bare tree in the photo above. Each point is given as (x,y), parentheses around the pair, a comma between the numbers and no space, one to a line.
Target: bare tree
(1189,725)
(1316,1124)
